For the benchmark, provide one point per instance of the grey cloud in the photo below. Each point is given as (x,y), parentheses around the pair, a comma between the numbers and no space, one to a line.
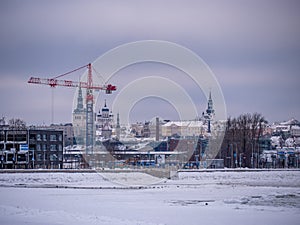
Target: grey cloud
(252,46)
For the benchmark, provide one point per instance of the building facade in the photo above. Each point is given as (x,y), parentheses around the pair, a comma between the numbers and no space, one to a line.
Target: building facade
(104,123)
(68,130)
(31,148)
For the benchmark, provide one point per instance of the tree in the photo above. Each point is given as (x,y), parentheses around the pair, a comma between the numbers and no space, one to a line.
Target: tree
(17,124)
(242,137)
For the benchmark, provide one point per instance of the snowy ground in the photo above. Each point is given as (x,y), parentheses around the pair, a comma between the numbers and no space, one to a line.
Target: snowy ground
(264,197)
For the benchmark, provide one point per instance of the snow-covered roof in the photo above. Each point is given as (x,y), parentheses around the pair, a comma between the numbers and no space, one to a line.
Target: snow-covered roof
(290,122)
(191,123)
(295,127)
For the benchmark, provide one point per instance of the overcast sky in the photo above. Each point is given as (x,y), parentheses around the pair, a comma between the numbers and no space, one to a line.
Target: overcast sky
(252,47)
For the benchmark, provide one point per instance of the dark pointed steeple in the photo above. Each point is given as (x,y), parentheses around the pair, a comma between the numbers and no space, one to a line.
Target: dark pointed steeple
(79,107)
(210,107)
(105,110)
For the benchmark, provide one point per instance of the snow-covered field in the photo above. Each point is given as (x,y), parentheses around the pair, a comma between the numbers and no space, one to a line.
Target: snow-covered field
(260,197)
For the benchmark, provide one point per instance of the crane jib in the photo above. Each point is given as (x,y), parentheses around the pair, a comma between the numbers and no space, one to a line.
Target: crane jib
(67,83)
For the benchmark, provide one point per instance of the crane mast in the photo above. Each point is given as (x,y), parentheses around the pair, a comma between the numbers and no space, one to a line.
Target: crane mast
(89,113)
(89,86)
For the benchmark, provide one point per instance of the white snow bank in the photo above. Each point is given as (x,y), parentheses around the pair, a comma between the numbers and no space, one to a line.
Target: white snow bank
(80,180)
(270,198)
(280,178)
(53,179)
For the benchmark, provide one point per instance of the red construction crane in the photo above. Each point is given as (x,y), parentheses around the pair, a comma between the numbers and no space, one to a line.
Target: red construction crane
(108,88)
(53,82)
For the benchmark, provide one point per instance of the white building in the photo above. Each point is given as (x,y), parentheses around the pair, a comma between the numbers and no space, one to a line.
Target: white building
(290,127)
(295,131)
(200,126)
(184,128)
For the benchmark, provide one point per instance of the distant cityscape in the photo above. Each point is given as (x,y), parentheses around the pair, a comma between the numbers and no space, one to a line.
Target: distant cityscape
(249,142)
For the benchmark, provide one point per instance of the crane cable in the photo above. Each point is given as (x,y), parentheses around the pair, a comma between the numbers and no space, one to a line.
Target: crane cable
(99,75)
(52,90)
(64,74)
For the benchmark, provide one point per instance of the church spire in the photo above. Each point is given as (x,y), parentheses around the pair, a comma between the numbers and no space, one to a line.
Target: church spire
(210,107)
(79,107)
(209,112)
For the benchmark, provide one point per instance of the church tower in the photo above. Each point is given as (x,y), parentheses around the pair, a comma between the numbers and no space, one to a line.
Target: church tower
(210,112)
(210,107)
(79,100)
(104,123)
(79,119)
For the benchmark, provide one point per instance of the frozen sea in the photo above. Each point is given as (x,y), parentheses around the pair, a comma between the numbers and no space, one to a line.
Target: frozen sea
(251,197)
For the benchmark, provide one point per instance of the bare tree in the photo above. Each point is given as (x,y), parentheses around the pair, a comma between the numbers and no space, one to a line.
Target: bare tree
(17,124)
(2,121)
(242,136)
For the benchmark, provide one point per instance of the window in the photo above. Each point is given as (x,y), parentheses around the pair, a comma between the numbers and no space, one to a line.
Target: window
(32,137)
(53,157)
(39,157)
(2,136)
(20,137)
(59,148)
(38,137)
(44,147)
(38,147)
(60,137)
(53,148)
(53,137)
(44,137)
(60,157)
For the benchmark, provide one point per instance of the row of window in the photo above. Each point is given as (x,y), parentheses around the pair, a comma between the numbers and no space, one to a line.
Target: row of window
(51,157)
(13,137)
(53,137)
(23,137)
(53,147)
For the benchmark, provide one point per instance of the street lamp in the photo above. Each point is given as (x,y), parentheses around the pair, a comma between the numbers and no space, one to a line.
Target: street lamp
(33,159)
(231,148)
(241,160)
(236,155)
(2,159)
(252,159)
(149,160)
